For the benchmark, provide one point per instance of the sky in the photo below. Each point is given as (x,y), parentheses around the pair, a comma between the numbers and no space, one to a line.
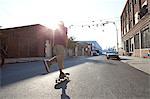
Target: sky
(15,13)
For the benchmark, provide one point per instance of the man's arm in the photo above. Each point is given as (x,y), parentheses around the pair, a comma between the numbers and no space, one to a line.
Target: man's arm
(66,37)
(66,41)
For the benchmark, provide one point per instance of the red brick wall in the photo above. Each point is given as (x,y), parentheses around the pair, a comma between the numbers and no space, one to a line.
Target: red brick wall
(142,23)
(27,41)
(130,15)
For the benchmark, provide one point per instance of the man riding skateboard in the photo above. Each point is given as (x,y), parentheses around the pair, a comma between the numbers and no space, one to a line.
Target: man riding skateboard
(60,41)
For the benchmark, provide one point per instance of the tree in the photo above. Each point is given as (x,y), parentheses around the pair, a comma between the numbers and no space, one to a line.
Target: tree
(71,43)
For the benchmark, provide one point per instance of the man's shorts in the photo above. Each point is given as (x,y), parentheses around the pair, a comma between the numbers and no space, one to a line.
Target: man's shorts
(59,50)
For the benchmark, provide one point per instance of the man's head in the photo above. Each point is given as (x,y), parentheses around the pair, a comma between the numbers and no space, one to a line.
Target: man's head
(61,23)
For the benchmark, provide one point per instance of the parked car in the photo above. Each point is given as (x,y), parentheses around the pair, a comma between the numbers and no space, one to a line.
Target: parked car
(112,55)
(146,55)
(103,53)
(95,53)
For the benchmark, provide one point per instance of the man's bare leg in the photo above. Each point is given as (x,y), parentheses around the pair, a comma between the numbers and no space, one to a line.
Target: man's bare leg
(61,66)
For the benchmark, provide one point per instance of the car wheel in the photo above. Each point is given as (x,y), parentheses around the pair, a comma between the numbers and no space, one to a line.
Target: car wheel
(107,57)
(118,58)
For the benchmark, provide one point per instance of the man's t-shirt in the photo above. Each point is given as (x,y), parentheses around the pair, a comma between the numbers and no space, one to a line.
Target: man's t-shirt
(60,36)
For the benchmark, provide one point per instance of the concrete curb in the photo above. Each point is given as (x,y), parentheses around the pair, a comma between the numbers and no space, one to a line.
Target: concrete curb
(31,59)
(22,60)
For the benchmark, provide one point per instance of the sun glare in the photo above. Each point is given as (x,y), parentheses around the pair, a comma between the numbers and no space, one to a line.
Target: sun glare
(53,24)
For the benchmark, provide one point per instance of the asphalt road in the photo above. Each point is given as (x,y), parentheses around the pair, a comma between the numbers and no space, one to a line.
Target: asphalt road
(91,78)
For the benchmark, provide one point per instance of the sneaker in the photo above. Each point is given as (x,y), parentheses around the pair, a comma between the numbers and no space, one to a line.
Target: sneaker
(62,75)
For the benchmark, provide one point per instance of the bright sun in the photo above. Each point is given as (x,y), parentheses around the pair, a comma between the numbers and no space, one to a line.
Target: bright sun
(53,24)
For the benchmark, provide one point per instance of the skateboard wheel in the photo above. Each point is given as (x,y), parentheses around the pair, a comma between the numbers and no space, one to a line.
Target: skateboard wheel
(67,73)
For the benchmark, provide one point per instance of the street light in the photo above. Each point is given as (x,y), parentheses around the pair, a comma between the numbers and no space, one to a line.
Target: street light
(107,22)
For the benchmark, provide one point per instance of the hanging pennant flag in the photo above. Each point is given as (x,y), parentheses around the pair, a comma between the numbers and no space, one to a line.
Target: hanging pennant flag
(70,26)
(96,25)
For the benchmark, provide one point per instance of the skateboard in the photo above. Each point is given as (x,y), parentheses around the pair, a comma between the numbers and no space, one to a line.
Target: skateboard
(49,62)
(59,80)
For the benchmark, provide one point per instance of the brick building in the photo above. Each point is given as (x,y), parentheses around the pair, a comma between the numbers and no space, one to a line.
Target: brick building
(135,27)
(27,41)
(87,48)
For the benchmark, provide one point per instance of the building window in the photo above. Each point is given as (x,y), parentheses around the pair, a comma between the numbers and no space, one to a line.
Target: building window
(131,45)
(136,41)
(144,9)
(130,5)
(126,12)
(136,17)
(127,46)
(124,47)
(134,1)
(127,27)
(124,28)
(145,41)
(130,24)
(129,41)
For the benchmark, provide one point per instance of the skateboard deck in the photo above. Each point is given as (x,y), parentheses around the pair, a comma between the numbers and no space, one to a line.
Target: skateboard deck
(59,80)
(49,62)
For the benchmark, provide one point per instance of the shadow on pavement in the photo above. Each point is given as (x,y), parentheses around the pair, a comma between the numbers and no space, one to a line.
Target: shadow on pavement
(125,59)
(12,73)
(63,87)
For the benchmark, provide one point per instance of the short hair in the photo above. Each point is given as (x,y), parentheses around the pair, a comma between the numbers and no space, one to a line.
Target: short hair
(61,23)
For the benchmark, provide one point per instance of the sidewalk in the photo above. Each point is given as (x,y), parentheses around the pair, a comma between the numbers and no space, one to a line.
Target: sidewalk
(142,64)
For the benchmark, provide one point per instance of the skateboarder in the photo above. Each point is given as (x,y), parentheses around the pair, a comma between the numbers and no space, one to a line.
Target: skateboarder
(60,41)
